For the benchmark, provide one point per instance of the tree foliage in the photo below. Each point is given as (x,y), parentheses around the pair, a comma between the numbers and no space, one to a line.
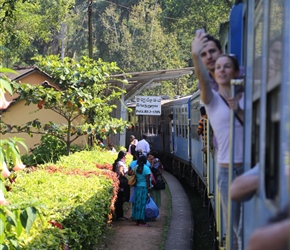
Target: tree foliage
(139,35)
(84,99)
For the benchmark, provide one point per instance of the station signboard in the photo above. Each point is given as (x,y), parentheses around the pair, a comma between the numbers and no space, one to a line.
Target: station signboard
(148,105)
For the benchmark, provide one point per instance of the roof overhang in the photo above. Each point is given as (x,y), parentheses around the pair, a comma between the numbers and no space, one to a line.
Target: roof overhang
(138,81)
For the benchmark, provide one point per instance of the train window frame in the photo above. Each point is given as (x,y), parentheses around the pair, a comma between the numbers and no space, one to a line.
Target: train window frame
(273,108)
(264,107)
(182,122)
(256,88)
(186,122)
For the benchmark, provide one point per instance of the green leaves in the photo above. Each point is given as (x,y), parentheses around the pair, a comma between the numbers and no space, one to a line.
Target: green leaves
(4,84)
(9,150)
(12,221)
(18,224)
(82,97)
(2,225)
(27,218)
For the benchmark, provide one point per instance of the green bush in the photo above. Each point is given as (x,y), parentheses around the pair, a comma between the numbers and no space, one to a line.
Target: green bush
(76,200)
(50,149)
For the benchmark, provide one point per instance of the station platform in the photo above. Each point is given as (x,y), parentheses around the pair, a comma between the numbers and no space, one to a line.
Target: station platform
(175,218)
(180,234)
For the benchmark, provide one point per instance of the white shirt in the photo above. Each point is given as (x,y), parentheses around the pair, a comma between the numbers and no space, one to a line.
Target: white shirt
(144,146)
(219,115)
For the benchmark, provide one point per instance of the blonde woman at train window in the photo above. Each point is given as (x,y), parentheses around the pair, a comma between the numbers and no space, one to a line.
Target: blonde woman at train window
(218,105)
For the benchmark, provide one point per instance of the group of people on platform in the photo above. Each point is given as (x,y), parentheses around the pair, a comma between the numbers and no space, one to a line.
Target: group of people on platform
(146,166)
(215,70)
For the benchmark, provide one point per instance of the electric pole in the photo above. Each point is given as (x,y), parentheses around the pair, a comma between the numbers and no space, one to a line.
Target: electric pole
(90,2)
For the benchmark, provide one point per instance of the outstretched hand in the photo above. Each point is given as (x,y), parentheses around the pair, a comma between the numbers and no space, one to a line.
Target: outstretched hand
(233,103)
(199,42)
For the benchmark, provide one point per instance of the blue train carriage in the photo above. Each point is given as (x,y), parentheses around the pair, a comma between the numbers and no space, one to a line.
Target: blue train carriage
(266,51)
(203,163)
(176,141)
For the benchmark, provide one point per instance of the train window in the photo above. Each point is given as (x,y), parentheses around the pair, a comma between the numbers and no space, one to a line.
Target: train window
(272,146)
(182,120)
(186,127)
(183,135)
(272,160)
(194,124)
(255,133)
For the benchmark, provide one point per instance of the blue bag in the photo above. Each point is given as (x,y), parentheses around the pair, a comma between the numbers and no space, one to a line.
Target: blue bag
(151,210)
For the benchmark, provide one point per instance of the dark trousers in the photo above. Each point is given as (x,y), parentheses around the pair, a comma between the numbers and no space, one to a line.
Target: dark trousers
(119,205)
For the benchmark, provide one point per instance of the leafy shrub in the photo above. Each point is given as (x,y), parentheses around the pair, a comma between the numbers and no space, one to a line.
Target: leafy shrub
(50,149)
(77,194)
(79,205)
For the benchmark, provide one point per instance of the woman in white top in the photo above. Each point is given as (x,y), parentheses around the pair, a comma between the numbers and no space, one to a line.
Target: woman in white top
(218,105)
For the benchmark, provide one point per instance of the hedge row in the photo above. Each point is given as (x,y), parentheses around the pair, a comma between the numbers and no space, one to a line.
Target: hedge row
(75,198)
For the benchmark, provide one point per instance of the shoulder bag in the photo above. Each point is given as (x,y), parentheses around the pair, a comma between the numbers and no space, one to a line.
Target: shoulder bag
(132,179)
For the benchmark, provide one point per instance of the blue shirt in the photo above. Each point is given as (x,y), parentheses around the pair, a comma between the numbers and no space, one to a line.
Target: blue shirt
(141,178)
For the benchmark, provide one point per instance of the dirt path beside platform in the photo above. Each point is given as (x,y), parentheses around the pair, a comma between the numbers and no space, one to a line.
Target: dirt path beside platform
(126,235)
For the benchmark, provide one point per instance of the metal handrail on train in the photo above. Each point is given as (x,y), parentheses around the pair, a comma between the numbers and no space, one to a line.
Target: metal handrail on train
(209,193)
(229,238)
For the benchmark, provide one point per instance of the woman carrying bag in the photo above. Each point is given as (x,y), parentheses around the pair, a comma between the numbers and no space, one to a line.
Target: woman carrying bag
(156,169)
(120,168)
(142,191)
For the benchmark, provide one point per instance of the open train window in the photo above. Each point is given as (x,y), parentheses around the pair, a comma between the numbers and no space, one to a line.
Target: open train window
(255,133)
(273,69)
(272,145)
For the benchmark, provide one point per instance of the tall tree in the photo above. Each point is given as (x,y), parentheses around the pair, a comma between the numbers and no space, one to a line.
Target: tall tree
(139,42)
(33,29)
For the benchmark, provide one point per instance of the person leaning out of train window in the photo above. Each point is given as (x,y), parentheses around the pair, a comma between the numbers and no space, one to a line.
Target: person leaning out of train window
(218,106)
(209,56)
(274,235)
(202,128)
(246,185)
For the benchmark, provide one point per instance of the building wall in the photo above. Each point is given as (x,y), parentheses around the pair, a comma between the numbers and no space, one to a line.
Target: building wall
(19,114)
